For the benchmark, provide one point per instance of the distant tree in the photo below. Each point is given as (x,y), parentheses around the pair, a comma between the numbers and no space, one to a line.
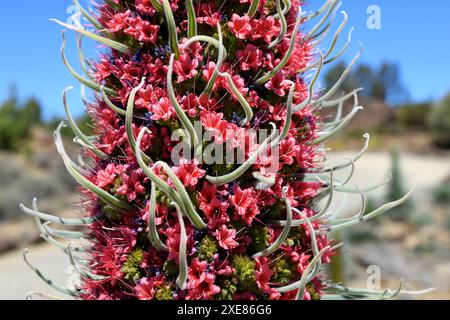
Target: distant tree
(364,76)
(388,85)
(333,75)
(413,116)
(32,110)
(16,121)
(382,84)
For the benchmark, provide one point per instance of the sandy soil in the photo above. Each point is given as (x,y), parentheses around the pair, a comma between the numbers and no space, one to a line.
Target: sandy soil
(16,279)
(423,171)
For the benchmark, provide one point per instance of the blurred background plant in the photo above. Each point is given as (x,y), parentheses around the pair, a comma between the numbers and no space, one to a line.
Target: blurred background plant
(17,120)
(439,123)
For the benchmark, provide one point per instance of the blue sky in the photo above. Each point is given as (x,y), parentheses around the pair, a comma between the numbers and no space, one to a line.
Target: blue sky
(414,33)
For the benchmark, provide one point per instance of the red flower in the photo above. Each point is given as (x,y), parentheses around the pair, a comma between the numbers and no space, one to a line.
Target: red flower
(103,69)
(196,271)
(289,150)
(132,185)
(215,125)
(157,71)
(226,237)
(208,70)
(240,26)
(189,173)
(145,7)
(201,282)
(117,22)
(250,57)
(145,289)
(106,178)
(145,97)
(185,67)
(214,209)
(173,235)
(189,104)
(163,110)
(245,204)
(303,262)
(267,28)
(208,14)
(279,84)
(300,57)
(263,275)
(147,32)
(238,81)
(113,138)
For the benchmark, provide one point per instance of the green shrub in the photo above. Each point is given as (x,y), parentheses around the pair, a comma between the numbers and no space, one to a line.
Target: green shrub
(16,122)
(441,193)
(397,189)
(413,116)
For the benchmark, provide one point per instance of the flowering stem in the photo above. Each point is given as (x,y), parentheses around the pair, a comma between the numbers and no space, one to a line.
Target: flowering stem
(245,105)
(59,220)
(284,234)
(318,216)
(283,27)
(186,202)
(253,8)
(79,40)
(305,103)
(172,28)
(339,127)
(183,274)
(89,17)
(323,20)
(153,232)
(181,197)
(51,283)
(87,83)
(109,103)
(221,58)
(157,5)
(341,80)
(286,57)
(192,20)
(149,172)
(220,181)
(306,277)
(287,8)
(77,130)
(320,11)
(70,166)
(181,114)
(129,119)
(374,213)
(306,274)
(106,41)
